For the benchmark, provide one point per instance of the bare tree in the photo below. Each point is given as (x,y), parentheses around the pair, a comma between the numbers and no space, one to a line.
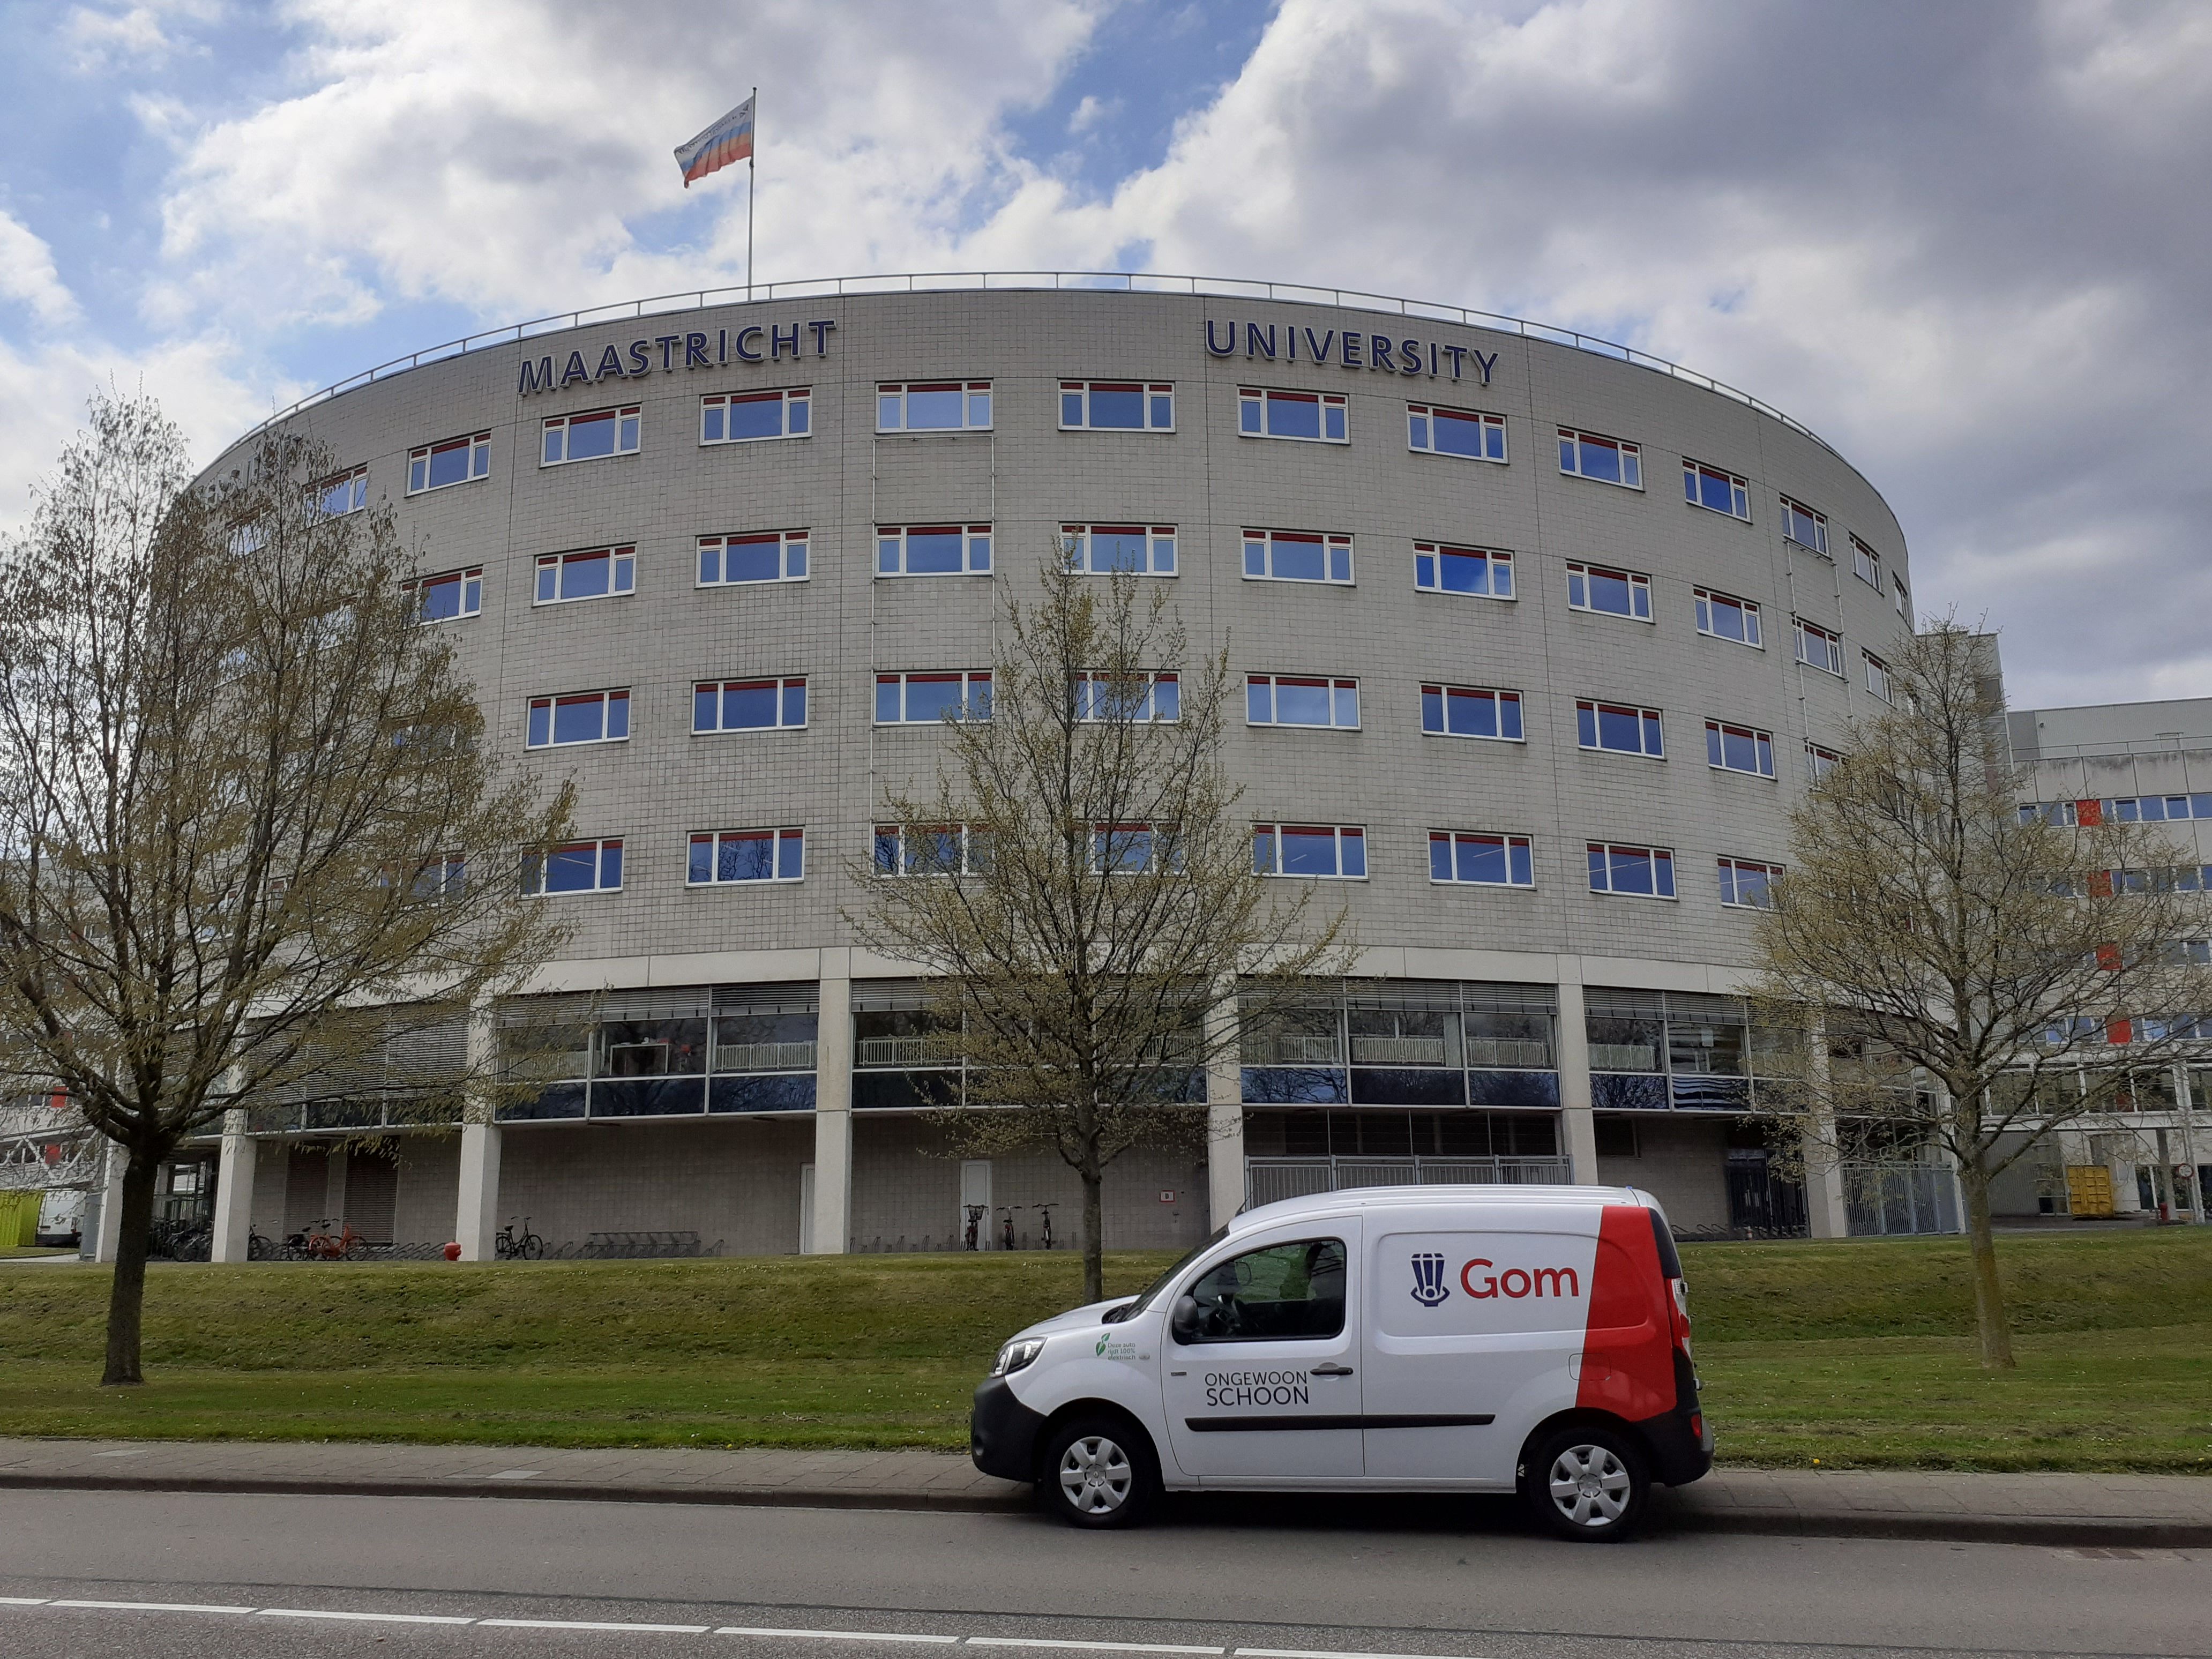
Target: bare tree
(1082,878)
(1957,971)
(249,834)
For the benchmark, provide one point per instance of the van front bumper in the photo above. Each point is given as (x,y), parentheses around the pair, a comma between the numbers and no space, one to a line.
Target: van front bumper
(1002,1432)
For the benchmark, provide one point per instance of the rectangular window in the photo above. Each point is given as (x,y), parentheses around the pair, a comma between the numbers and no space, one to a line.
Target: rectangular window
(1744,884)
(745,418)
(594,575)
(933,550)
(1324,851)
(929,849)
(1818,648)
(445,598)
(1866,564)
(1457,855)
(1312,416)
(1619,727)
(1716,491)
(580,717)
(1903,599)
(1148,698)
(1103,549)
(770,555)
(925,699)
(748,705)
(1877,675)
(720,855)
(457,460)
(1646,871)
(578,866)
(933,406)
(1611,593)
(2135,808)
(1116,406)
(1609,460)
(441,878)
(1479,570)
(1726,617)
(1802,525)
(588,437)
(1739,749)
(1461,431)
(1469,711)
(1295,555)
(1135,849)
(1293,700)
(1820,761)
(346,493)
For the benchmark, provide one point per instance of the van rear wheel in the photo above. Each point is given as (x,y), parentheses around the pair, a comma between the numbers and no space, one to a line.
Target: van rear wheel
(1588,1483)
(1098,1472)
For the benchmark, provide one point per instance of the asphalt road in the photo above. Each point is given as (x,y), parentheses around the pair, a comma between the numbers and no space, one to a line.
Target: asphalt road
(244,1576)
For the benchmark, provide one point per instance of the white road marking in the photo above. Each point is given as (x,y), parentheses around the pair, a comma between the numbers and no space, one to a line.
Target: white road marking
(366,1618)
(150,1606)
(127,1451)
(1092,1647)
(832,1635)
(588,1623)
(1061,1643)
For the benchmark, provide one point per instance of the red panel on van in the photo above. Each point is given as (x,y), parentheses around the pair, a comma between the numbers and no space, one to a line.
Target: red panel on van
(1628,1357)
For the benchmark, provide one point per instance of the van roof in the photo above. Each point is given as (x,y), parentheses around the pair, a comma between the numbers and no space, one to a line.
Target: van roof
(1385,1198)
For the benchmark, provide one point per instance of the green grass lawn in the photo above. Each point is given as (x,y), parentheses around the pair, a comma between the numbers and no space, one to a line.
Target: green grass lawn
(1850,1355)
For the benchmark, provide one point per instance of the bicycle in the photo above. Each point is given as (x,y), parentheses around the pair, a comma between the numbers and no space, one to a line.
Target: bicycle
(975,1224)
(1044,1226)
(508,1245)
(326,1246)
(1006,1233)
(261,1247)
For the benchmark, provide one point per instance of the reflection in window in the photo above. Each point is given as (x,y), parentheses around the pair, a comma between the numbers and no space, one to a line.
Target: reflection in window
(1283,1292)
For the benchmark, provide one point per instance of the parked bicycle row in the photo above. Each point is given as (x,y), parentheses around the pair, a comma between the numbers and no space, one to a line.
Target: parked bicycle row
(975,1212)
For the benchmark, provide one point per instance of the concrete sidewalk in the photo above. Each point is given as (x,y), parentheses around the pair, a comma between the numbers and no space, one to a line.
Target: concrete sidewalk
(2109,1511)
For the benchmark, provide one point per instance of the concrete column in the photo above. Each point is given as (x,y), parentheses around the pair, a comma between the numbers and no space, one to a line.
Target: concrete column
(111,1205)
(475,1211)
(1577,1123)
(833,1117)
(1825,1216)
(1225,1113)
(233,1192)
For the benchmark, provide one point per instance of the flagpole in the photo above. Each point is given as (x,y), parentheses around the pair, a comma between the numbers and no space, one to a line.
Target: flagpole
(751,184)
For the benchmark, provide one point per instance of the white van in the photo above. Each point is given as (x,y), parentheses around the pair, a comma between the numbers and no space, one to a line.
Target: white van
(1388,1339)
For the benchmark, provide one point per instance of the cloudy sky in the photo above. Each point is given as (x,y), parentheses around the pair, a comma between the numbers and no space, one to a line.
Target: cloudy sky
(1961,240)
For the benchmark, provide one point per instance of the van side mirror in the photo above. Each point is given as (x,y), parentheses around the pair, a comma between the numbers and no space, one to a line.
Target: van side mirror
(1182,1322)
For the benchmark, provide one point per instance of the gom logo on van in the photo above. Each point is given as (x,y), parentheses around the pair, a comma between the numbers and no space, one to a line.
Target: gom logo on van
(1257,1388)
(1517,1282)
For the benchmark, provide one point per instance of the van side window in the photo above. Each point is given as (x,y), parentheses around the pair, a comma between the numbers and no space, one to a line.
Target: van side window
(1285,1290)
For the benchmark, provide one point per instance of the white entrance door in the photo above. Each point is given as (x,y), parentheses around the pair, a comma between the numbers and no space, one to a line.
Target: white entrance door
(975,1203)
(1266,1387)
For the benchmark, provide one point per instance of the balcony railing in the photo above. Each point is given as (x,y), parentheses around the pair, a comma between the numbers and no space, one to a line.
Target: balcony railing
(1268,1179)
(934,282)
(1293,1049)
(902,1051)
(764,1056)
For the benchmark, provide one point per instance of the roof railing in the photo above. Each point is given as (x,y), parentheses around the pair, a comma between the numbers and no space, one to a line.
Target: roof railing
(930,281)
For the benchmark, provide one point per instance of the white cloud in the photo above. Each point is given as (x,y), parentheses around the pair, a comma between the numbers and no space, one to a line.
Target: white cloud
(28,274)
(502,155)
(102,39)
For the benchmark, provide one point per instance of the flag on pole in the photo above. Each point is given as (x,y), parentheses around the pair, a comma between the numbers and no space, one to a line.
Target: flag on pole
(730,139)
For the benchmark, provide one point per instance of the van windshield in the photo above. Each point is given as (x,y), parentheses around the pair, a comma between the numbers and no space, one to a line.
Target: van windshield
(1131,1309)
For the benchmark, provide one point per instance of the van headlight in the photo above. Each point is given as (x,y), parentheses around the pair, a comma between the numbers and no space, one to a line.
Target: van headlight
(1016,1354)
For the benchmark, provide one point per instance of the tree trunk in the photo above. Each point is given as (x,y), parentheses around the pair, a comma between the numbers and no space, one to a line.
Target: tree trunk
(126,1297)
(1094,1239)
(1990,1323)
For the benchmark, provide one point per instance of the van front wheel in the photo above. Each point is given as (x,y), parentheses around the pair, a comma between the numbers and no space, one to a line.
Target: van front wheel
(1588,1483)
(1098,1472)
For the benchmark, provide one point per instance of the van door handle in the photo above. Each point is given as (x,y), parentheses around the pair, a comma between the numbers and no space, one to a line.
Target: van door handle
(1330,1370)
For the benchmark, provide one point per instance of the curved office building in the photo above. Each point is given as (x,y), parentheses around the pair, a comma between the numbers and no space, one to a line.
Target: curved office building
(1540,644)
